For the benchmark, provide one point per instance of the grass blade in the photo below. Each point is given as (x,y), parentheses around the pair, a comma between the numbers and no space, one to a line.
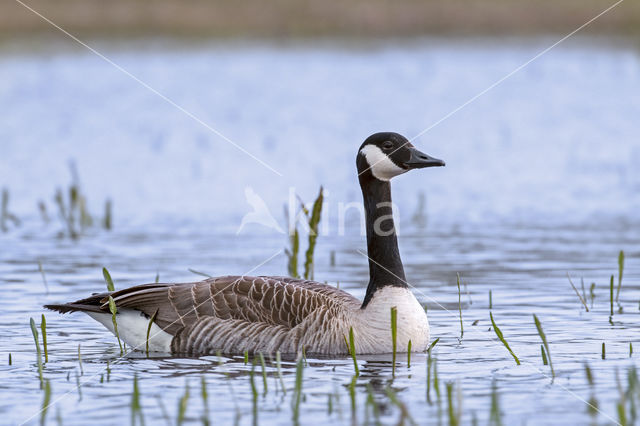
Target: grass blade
(182,405)
(460,307)
(297,392)
(582,300)
(46,401)
(502,339)
(108,280)
(352,351)
(620,271)
(114,311)
(34,331)
(153,317)
(278,367)
(264,374)
(409,354)
(544,342)
(43,327)
(394,336)
(313,235)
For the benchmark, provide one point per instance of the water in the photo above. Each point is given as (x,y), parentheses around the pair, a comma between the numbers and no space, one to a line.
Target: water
(541,180)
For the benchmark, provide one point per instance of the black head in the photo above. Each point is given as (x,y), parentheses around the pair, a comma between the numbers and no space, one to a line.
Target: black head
(389,154)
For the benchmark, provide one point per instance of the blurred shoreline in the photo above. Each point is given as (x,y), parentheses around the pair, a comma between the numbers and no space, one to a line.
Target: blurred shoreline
(294,19)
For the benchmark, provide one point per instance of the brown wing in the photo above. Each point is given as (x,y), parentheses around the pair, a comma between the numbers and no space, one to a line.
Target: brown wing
(273,301)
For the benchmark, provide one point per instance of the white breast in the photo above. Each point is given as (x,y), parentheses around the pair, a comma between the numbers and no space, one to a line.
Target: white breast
(373,324)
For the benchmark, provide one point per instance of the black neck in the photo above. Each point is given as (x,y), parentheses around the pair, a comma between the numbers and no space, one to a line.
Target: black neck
(385,265)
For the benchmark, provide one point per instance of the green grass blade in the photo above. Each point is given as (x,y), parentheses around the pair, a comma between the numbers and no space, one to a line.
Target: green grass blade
(544,342)
(153,317)
(182,405)
(279,369)
(502,339)
(460,306)
(313,235)
(352,351)
(409,354)
(394,337)
(620,271)
(264,374)
(297,392)
(114,311)
(435,342)
(43,327)
(46,401)
(34,331)
(108,280)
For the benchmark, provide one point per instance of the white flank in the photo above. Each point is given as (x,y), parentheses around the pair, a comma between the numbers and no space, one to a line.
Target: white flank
(381,165)
(132,328)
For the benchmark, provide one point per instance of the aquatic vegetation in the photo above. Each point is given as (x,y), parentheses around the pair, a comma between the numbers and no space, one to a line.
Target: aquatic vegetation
(453,410)
(151,319)
(435,342)
(43,328)
(394,336)
(46,401)
(182,405)
(254,393)
(409,354)
(352,351)
(620,272)
(582,299)
(73,209)
(44,278)
(279,370)
(203,274)
(5,215)
(611,300)
(544,342)
(136,407)
(495,416)
(460,307)
(205,401)
(297,392)
(490,300)
(80,361)
(404,411)
(108,280)
(502,339)
(292,265)
(264,374)
(114,312)
(313,219)
(34,331)
(604,351)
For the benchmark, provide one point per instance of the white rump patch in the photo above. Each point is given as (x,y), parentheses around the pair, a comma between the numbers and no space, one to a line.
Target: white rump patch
(381,165)
(132,328)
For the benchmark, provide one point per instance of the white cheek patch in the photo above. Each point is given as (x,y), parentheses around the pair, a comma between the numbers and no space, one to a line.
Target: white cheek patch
(380,164)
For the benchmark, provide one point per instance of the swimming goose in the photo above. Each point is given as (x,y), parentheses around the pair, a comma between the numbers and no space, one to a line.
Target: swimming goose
(233,314)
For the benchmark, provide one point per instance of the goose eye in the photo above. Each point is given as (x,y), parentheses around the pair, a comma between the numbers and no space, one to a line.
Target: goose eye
(387,145)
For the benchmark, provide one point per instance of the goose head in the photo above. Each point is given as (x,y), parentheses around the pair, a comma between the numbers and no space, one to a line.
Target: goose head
(386,155)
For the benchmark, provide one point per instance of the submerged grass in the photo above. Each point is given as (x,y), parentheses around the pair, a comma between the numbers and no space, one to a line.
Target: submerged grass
(502,339)
(34,331)
(544,342)
(394,336)
(136,407)
(279,369)
(182,405)
(205,401)
(582,299)
(254,393)
(297,392)
(611,300)
(80,361)
(44,278)
(495,418)
(46,401)
(265,389)
(460,306)
(352,351)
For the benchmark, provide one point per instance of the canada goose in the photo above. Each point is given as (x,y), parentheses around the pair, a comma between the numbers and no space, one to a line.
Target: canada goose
(234,314)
